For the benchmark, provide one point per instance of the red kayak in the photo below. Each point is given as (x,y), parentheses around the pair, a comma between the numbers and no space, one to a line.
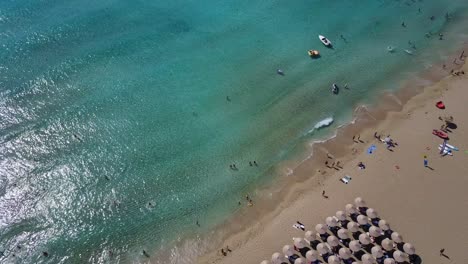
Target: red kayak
(439,134)
(440,105)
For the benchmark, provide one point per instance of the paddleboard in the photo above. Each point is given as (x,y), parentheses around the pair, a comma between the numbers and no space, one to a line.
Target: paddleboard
(450,147)
(446,152)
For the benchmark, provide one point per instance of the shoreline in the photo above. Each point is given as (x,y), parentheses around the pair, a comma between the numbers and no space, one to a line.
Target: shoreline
(280,192)
(340,145)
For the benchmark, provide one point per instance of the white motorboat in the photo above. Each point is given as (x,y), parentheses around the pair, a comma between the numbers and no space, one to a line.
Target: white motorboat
(325,41)
(390,49)
(335,89)
(409,52)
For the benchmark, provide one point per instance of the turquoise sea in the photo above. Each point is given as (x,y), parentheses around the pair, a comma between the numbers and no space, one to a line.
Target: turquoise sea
(119,119)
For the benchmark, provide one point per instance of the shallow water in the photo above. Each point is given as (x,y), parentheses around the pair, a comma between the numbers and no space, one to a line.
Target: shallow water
(116,132)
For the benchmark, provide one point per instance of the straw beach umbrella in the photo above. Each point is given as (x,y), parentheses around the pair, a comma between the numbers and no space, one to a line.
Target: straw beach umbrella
(277,258)
(334,260)
(333,241)
(288,250)
(299,242)
(343,233)
(364,239)
(384,225)
(321,229)
(355,245)
(299,261)
(375,231)
(351,209)
(397,238)
(322,249)
(408,248)
(377,252)
(310,235)
(353,227)
(340,215)
(389,261)
(387,244)
(359,202)
(367,259)
(362,220)
(331,221)
(399,256)
(371,213)
(344,253)
(312,255)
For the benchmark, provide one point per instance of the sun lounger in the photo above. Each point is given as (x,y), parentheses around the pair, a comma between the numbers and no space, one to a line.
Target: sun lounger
(345,179)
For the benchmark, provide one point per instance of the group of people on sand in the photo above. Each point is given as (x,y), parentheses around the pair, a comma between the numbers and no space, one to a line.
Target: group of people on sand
(224,252)
(248,199)
(357,139)
(334,165)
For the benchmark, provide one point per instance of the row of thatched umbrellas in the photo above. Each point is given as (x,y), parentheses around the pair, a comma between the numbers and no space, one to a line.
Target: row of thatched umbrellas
(356,235)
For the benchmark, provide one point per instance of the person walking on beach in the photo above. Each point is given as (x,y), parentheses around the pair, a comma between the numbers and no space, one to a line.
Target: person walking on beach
(426,162)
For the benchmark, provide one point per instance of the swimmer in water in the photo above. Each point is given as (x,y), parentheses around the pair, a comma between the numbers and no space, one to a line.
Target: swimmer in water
(77,137)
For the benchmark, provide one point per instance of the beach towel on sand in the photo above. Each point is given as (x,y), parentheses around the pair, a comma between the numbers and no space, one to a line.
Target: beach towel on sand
(371,149)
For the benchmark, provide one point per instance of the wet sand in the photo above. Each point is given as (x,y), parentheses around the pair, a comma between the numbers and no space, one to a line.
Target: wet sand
(427,206)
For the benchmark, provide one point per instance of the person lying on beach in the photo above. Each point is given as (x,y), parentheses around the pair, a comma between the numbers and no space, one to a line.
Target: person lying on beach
(299,225)
(361,165)
(323,195)
(377,136)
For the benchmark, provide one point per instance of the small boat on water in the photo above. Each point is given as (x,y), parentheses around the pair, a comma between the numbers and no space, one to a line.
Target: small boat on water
(335,89)
(409,52)
(325,41)
(313,53)
(390,49)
